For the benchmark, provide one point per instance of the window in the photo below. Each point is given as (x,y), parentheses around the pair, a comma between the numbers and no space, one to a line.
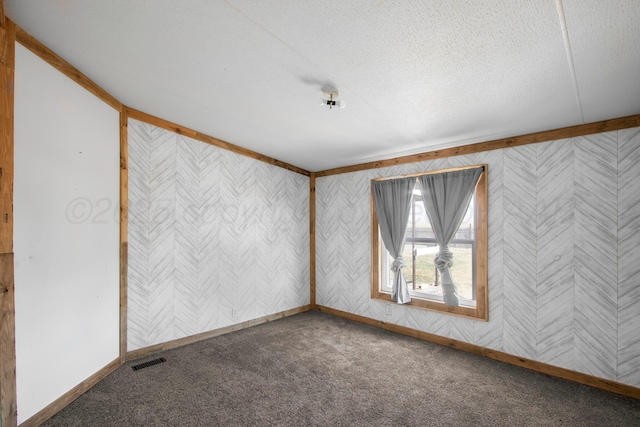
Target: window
(419,250)
(469,248)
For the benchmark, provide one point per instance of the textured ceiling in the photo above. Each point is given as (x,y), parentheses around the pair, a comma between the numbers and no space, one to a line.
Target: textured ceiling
(415,75)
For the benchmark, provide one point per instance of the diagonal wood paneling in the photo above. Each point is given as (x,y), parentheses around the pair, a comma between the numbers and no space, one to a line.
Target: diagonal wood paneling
(519,260)
(210,216)
(282,227)
(596,253)
(555,252)
(187,228)
(229,239)
(489,334)
(344,259)
(297,241)
(162,199)
(427,321)
(211,232)
(270,240)
(328,219)
(356,237)
(266,282)
(629,256)
(138,251)
(245,223)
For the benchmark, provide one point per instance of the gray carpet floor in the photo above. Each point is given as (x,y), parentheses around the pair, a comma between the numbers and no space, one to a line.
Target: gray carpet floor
(317,369)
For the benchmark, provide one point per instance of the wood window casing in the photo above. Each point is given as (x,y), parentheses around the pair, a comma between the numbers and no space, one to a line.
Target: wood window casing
(481,310)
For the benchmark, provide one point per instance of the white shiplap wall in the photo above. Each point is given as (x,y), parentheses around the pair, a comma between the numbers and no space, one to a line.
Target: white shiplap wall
(215,238)
(564,253)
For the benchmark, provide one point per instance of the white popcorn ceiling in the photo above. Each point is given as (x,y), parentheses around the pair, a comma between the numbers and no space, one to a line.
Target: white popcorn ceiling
(415,75)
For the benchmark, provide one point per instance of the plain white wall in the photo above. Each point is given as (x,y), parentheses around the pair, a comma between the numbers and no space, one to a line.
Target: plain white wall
(66,204)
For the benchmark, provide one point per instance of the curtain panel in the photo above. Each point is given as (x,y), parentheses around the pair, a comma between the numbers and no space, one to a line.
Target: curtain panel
(446,198)
(392,200)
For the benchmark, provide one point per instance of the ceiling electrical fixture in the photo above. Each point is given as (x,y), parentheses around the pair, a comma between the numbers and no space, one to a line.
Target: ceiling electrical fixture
(332,93)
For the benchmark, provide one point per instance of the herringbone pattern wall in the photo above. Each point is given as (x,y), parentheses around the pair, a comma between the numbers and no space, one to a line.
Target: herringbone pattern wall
(564,253)
(215,238)
(628,256)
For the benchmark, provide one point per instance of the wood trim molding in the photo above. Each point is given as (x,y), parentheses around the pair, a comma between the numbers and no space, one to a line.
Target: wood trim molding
(482,242)
(7,75)
(8,397)
(64,400)
(567,374)
(312,240)
(124,229)
(374,271)
(64,67)
(532,138)
(124,299)
(147,351)
(181,130)
(8,405)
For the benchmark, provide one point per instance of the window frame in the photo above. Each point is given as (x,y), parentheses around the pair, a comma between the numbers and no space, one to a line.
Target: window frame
(481,310)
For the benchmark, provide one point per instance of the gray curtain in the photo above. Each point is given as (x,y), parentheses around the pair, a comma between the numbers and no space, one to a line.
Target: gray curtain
(393,201)
(446,198)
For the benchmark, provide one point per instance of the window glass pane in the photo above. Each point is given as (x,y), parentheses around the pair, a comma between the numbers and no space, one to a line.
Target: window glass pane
(426,277)
(467,228)
(419,225)
(462,270)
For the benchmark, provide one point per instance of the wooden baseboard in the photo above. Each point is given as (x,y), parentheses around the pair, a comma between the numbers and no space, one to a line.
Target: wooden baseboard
(64,400)
(567,374)
(147,351)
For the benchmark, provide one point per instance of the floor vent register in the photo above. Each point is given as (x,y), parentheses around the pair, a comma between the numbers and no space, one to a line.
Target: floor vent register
(148,363)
